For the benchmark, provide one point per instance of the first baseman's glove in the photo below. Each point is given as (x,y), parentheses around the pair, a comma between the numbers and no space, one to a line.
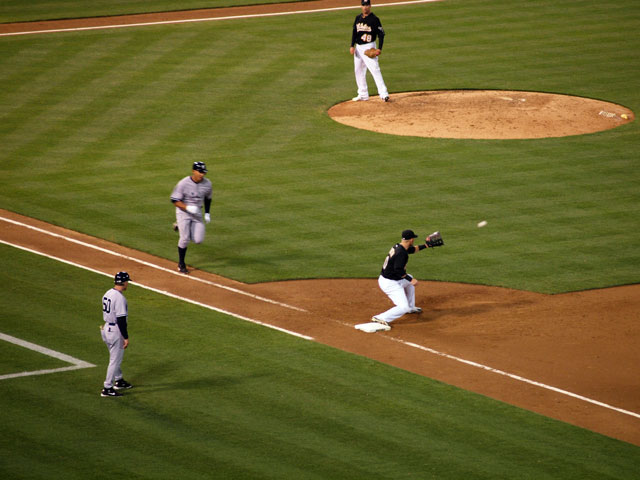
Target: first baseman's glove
(371,52)
(434,240)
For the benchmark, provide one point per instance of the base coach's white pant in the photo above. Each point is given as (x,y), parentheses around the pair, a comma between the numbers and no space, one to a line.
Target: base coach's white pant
(361,63)
(401,293)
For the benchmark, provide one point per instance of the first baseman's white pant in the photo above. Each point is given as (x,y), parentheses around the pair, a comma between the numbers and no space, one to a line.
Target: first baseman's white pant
(191,228)
(115,343)
(401,293)
(361,63)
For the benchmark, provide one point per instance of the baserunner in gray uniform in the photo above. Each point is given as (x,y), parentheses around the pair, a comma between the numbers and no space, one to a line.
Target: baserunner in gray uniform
(114,334)
(189,195)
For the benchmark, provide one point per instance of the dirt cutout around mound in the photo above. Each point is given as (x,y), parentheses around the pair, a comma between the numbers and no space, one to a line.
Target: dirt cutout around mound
(573,357)
(482,114)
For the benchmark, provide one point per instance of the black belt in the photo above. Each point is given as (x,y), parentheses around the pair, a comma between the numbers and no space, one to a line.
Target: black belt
(112,324)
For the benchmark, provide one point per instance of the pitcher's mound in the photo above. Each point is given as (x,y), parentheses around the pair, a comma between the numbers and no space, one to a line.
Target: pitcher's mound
(482,114)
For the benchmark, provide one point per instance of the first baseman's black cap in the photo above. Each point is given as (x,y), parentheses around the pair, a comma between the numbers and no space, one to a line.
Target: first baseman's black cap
(200,167)
(121,277)
(365,2)
(408,235)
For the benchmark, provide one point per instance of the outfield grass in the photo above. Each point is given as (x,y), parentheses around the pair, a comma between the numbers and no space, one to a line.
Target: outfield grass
(21,11)
(217,397)
(97,127)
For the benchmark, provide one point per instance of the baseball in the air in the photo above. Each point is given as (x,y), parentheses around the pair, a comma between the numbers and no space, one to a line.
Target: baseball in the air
(482,223)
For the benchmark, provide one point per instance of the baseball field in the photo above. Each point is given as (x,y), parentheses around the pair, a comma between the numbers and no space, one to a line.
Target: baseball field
(97,126)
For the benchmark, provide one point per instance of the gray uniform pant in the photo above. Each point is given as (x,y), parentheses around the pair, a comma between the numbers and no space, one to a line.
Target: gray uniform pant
(115,343)
(191,228)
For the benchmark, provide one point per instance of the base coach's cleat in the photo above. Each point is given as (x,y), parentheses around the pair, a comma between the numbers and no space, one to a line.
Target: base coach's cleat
(110,392)
(122,384)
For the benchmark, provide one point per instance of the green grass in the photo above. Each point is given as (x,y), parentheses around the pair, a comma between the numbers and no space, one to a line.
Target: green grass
(21,11)
(97,127)
(217,397)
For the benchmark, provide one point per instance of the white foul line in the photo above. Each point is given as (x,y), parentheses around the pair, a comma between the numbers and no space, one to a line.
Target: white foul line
(209,19)
(152,265)
(147,287)
(410,344)
(516,377)
(76,364)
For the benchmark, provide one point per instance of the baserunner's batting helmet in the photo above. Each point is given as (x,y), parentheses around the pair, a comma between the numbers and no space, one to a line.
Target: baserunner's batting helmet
(200,167)
(121,277)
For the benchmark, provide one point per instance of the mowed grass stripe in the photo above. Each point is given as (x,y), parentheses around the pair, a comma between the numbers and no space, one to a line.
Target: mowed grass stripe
(18,11)
(91,91)
(280,164)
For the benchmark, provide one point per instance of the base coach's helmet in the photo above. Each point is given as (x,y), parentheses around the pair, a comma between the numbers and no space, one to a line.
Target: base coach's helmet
(121,277)
(200,167)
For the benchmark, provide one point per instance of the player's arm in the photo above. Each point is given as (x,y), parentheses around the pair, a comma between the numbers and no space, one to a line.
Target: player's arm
(416,248)
(122,325)
(207,207)
(380,37)
(354,32)
(183,206)
(180,204)
(177,195)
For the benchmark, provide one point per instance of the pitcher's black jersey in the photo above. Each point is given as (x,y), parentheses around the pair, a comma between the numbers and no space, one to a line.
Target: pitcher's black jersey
(366,30)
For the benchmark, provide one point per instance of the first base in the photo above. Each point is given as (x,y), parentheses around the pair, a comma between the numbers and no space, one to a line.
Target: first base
(372,327)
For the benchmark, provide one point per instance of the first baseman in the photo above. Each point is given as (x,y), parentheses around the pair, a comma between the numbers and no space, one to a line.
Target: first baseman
(189,195)
(366,28)
(114,334)
(396,282)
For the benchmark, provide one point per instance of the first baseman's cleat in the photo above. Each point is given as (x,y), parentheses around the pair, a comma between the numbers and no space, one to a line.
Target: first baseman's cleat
(182,268)
(110,392)
(359,99)
(386,99)
(415,310)
(379,320)
(122,384)
(175,226)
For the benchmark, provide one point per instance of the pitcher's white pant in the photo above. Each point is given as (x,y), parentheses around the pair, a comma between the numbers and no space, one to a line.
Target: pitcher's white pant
(361,63)
(115,343)
(401,293)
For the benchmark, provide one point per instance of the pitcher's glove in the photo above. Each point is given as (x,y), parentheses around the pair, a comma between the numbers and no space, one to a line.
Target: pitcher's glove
(434,240)
(371,52)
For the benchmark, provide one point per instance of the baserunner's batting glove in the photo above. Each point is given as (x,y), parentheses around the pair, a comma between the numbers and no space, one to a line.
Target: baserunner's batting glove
(207,218)
(192,209)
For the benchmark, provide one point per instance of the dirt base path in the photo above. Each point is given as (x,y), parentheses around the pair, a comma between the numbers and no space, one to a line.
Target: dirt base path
(572,357)
(188,15)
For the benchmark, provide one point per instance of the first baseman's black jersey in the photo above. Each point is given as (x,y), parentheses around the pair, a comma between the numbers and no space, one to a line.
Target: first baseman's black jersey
(366,30)
(396,262)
